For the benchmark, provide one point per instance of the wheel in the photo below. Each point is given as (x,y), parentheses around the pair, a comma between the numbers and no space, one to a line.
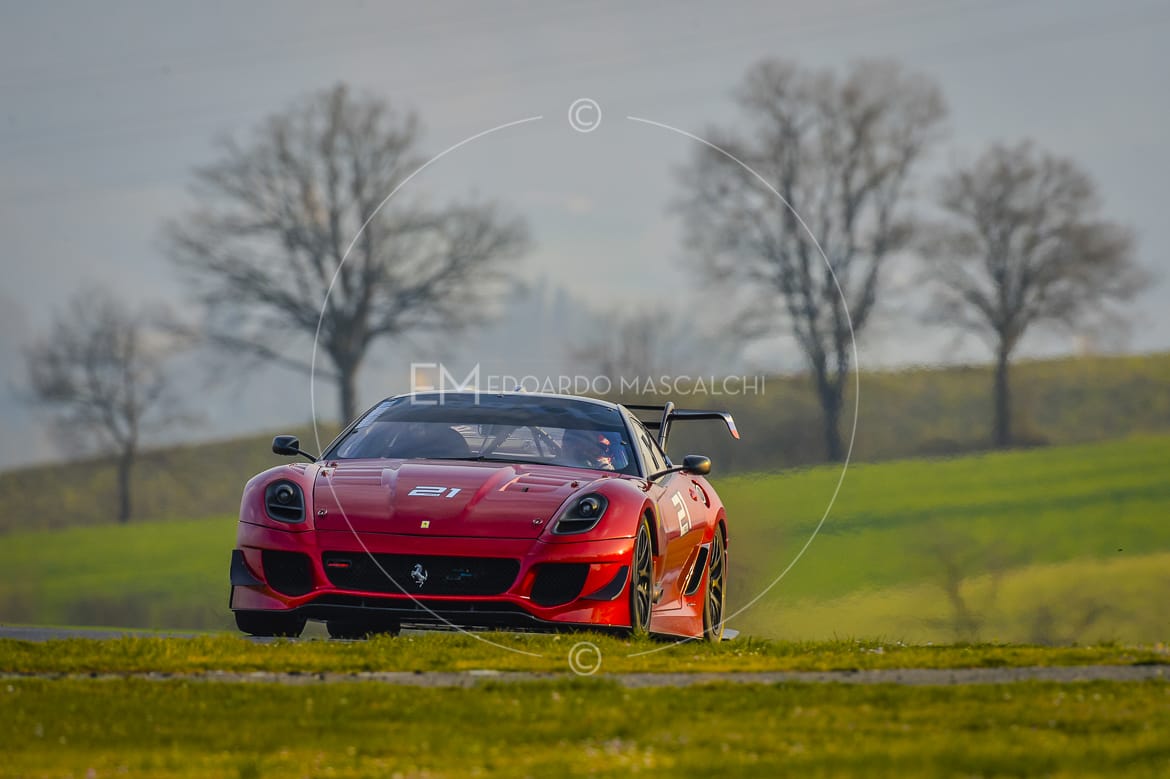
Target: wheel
(714,593)
(641,581)
(358,630)
(270,623)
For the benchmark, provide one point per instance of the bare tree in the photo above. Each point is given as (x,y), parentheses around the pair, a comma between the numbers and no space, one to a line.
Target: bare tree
(840,151)
(291,219)
(101,371)
(1024,245)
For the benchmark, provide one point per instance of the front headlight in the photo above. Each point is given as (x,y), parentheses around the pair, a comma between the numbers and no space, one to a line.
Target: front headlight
(284,502)
(582,515)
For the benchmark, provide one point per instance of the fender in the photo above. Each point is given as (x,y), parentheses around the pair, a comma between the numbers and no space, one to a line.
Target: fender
(252,511)
(626,504)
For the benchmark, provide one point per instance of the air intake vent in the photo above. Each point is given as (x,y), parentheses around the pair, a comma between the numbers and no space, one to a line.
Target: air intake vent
(697,571)
(558,583)
(289,573)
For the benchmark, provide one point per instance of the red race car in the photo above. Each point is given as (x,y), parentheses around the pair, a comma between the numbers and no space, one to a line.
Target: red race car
(516,511)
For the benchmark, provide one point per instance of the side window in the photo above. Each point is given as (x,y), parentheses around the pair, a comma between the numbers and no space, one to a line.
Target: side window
(658,452)
(651,454)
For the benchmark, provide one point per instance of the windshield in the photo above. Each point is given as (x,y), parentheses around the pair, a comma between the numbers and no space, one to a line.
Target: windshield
(545,431)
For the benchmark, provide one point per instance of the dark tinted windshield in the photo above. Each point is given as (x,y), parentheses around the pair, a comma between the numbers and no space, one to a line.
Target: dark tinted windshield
(548,431)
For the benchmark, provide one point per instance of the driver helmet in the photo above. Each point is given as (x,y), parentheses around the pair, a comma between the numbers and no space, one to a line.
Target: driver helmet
(594,449)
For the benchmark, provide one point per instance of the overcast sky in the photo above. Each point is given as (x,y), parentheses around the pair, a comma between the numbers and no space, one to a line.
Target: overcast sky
(105,109)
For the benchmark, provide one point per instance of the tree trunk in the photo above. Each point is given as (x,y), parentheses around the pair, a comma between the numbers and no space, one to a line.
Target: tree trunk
(1002,432)
(125,468)
(347,391)
(829,395)
(831,407)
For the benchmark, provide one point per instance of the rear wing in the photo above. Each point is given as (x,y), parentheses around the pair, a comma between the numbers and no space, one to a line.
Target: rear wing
(669,414)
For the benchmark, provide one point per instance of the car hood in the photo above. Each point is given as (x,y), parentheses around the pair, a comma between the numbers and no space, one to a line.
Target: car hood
(444,498)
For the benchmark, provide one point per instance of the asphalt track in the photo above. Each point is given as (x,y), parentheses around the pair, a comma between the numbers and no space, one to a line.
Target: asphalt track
(904,676)
(918,677)
(33,633)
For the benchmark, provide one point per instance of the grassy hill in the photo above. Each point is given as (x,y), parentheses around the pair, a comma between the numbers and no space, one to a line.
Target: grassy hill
(176,482)
(904,413)
(150,574)
(931,412)
(1049,545)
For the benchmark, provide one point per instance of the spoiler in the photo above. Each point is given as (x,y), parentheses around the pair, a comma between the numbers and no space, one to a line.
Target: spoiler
(670,414)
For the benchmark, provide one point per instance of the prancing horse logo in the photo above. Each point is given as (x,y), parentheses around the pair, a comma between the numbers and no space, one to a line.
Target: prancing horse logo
(419,574)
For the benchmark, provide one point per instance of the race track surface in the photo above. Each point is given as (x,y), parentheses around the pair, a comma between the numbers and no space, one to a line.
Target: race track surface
(905,676)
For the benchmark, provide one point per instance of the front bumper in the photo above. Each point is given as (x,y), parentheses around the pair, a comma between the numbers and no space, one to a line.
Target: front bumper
(555,585)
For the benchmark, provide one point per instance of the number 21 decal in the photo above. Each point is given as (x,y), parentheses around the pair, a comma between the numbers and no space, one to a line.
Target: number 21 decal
(434,492)
(684,515)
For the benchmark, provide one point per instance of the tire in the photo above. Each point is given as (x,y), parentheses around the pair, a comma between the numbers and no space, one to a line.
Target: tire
(715,588)
(641,581)
(359,630)
(270,623)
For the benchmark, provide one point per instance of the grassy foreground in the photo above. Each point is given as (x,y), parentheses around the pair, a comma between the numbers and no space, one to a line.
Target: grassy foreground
(507,652)
(138,728)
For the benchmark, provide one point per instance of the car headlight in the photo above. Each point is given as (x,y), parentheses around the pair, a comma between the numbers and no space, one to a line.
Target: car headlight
(582,515)
(284,502)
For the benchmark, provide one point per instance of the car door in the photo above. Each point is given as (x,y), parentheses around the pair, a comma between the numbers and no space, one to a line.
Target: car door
(681,525)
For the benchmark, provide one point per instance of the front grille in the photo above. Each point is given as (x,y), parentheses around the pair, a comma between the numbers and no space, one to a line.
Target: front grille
(289,573)
(420,574)
(558,583)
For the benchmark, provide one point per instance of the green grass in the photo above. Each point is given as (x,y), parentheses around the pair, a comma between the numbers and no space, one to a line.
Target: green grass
(1059,603)
(149,574)
(903,413)
(1055,545)
(1093,514)
(142,728)
(504,652)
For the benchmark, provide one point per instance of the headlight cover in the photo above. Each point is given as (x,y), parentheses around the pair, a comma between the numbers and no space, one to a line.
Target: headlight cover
(284,502)
(582,515)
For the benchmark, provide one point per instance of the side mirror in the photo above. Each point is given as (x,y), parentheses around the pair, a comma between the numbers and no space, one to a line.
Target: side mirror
(697,464)
(694,464)
(290,446)
(286,444)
